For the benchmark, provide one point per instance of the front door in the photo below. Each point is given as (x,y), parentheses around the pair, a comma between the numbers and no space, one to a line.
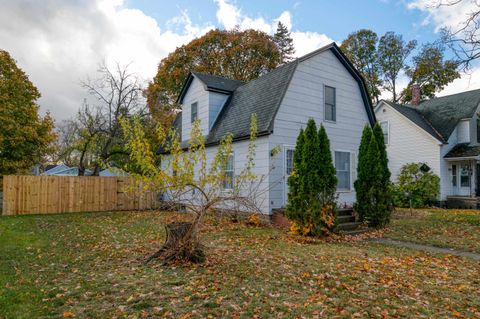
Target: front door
(465,179)
(454,179)
(288,152)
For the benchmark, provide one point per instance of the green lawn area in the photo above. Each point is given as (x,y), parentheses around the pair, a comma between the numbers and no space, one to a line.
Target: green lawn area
(439,227)
(87,266)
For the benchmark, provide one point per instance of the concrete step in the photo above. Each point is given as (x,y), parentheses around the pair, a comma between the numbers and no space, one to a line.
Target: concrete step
(345,211)
(345,219)
(348,226)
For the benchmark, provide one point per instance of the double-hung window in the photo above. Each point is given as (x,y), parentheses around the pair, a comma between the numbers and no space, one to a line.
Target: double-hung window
(385,128)
(330,104)
(228,173)
(343,168)
(194,114)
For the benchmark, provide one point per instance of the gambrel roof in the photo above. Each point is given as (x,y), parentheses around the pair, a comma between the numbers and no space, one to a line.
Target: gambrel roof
(262,96)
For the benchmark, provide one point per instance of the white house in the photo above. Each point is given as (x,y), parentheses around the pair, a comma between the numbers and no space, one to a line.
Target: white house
(442,133)
(322,85)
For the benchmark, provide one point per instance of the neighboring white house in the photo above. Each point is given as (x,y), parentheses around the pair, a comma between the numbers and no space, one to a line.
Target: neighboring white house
(64,170)
(322,85)
(442,133)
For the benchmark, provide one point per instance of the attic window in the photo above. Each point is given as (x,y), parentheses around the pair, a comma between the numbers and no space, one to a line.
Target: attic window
(330,104)
(194,111)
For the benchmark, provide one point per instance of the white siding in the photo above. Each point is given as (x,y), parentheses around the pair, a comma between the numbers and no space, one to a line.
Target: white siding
(408,143)
(463,131)
(195,93)
(304,100)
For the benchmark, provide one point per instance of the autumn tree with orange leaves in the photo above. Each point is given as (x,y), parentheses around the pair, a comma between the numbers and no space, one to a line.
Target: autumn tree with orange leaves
(234,54)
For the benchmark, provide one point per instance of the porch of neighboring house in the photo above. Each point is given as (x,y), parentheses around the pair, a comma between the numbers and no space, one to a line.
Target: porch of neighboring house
(463,164)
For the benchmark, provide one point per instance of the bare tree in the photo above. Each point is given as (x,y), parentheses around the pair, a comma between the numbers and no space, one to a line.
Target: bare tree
(463,39)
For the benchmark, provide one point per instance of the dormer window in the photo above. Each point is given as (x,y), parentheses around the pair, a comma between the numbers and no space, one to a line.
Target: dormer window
(194,115)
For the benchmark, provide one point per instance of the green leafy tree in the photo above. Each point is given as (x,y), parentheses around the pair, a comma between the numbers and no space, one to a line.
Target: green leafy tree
(416,186)
(393,52)
(25,136)
(311,199)
(361,49)
(284,42)
(234,54)
(430,71)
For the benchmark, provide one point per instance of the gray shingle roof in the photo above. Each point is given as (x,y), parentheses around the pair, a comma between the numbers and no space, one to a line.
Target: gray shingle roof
(444,113)
(463,150)
(416,117)
(261,96)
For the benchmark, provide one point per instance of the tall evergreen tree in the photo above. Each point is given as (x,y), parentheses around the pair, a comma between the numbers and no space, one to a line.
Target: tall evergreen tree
(284,42)
(362,205)
(384,197)
(294,205)
(379,137)
(326,169)
(312,185)
(372,186)
(308,172)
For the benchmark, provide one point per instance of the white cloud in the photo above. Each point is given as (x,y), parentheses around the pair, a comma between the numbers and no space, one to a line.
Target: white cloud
(60,43)
(231,16)
(443,16)
(468,81)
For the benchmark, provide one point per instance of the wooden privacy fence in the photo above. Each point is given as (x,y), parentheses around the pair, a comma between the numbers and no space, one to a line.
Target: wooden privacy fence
(68,194)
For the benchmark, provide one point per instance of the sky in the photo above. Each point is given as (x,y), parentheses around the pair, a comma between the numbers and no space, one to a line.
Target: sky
(60,43)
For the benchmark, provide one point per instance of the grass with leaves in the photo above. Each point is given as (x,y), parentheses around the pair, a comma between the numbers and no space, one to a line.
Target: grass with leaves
(89,266)
(452,228)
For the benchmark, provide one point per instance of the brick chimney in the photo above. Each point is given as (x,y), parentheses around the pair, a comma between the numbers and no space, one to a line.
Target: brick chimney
(415,94)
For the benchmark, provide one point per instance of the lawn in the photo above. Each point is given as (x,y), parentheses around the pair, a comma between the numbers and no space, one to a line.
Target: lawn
(439,227)
(88,266)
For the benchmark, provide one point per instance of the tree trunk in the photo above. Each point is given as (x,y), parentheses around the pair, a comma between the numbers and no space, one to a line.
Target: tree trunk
(181,244)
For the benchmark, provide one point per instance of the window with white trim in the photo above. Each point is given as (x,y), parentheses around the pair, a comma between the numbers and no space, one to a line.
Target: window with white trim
(194,109)
(343,168)
(228,173)
(465,176)
(289,161)
(330,104)
(385,128)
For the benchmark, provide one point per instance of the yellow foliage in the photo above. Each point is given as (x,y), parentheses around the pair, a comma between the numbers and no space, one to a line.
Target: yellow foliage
(254,220)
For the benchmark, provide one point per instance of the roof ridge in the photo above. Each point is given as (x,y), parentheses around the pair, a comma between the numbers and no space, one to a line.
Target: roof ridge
(450,95)
(218,76)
